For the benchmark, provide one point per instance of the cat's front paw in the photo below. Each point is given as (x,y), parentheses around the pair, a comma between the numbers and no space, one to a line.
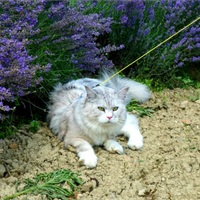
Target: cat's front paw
(113,146)
(135,143)
(89,159)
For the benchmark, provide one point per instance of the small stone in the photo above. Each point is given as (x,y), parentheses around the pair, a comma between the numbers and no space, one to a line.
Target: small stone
(142,192)
(198,101)
(12,180)
(183,104)
(2,170)
(15,165)
(187,167)
(162,179)
(13,146)
(66,186)
(88,186)
(186,121)
(79,196)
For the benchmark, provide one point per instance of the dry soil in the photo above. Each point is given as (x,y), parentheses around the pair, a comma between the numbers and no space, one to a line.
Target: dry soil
(168,166)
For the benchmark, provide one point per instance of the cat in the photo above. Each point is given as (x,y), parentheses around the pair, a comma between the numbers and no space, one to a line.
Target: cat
(84,114)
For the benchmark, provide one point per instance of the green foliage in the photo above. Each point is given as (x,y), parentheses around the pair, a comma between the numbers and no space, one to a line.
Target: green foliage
(184,80)
(10,124)
(50,185)
(47,52)
(6,130)
(133,105)
(196,97)
(153,84)
(156,85)
(34,126)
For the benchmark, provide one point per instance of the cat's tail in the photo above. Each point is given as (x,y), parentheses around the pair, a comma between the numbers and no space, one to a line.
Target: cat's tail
(136,90)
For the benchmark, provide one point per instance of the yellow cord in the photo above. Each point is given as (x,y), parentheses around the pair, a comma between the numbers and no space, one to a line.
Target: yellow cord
(150,50)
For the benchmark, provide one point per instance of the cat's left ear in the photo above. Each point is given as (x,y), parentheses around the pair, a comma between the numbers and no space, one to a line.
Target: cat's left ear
(122,93)
(91,95)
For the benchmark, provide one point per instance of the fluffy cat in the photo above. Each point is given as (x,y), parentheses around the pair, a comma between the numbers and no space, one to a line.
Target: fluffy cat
(84,114)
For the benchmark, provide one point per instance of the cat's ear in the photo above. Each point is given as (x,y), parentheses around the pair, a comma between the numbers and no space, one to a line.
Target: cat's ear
(90,93)
(122,93)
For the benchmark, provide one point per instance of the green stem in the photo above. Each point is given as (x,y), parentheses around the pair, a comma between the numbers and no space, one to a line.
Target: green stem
(18,194)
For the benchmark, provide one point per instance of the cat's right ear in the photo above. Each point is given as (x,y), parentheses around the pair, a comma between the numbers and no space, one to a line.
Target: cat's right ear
(91,95)
(122,93)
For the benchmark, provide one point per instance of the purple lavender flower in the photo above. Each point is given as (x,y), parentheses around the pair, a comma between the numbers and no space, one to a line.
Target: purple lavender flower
(198,45)
(17,74)
(189,47)
(146,31)
(124,19)
(78,33)
(163,57)
(180,64)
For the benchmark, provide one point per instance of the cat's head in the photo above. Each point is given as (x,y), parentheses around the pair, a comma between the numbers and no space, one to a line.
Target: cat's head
(105,106)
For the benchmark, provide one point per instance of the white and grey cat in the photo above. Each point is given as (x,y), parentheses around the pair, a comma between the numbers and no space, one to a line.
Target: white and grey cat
(83,114)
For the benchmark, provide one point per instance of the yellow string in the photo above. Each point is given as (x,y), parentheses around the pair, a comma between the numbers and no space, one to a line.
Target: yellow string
(150,50)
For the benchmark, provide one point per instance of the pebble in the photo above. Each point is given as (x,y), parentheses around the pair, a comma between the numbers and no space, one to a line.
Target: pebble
(141,192)
(12,180)
(163,179)
(13,146)
(183,104)
(198,101)
(186,121)
(2,170)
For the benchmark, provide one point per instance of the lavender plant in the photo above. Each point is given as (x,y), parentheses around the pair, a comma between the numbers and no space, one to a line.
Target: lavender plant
(38,35)
(77,33)
(17,75)
(68,40)
(183,50)
(141,25)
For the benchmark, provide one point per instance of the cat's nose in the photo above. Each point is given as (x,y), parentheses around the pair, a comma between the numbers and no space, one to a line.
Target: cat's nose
(109,117)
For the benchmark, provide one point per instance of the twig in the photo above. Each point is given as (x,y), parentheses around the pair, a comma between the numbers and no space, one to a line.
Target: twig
(25,133)
(7,169)
(21,131)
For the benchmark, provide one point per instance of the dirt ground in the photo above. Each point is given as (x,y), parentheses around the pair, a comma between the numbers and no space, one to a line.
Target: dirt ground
(168,166)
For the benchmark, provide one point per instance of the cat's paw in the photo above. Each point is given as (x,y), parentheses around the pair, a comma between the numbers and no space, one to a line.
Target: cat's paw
(135,143)
(113,146)
(89,159)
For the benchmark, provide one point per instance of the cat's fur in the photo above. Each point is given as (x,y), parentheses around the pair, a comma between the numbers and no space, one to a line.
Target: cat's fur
(75,116)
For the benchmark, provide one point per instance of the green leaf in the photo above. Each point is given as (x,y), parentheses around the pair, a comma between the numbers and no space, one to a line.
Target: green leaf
(134,105)
(17,102)
(50,185)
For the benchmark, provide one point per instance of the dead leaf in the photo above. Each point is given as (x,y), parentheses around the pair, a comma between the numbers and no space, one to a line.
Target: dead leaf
(13,146)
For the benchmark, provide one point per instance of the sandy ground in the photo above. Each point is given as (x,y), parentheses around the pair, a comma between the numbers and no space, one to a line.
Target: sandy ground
(168,167)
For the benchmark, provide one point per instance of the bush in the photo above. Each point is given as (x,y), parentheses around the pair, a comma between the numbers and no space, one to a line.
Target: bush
(35,36)
(142,25)
(17,74)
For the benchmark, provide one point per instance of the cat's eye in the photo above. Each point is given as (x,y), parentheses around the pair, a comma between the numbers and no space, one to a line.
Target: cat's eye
(115,108)
(101,108)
